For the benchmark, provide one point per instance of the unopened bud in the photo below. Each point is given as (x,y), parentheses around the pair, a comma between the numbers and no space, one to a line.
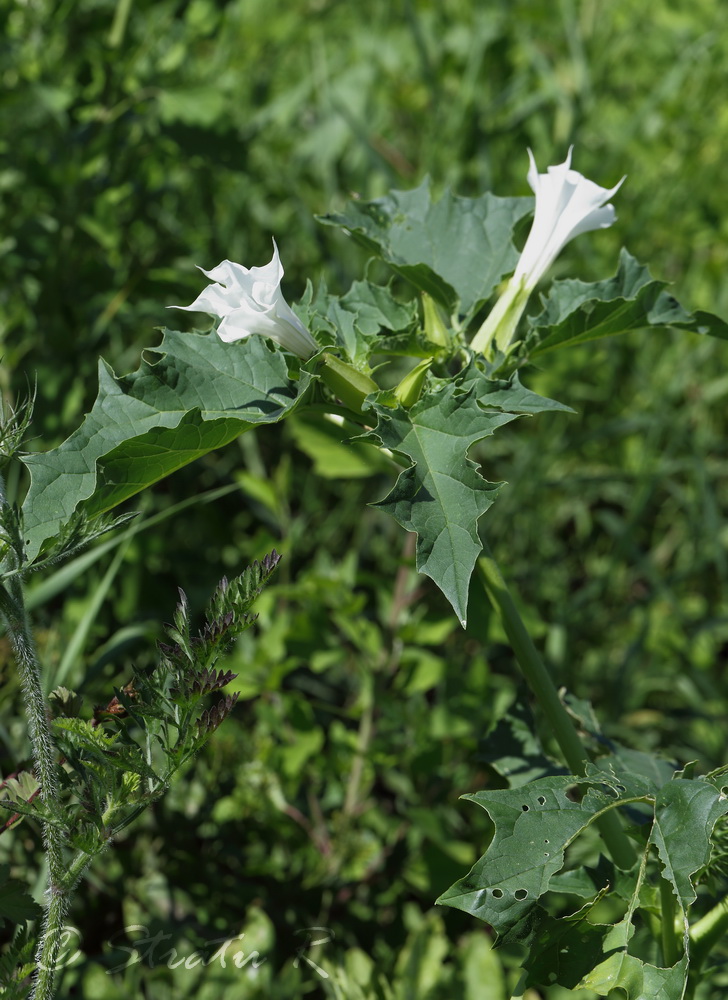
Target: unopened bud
(410,388)
(435,326)
(346,382)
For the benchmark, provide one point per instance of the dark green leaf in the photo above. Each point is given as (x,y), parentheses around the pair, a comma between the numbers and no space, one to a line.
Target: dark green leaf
(514,751)
(455,249)
(441,495)
(533,826)
(200,394)
(575,311)
(16,904)
(685,814)
(365,320)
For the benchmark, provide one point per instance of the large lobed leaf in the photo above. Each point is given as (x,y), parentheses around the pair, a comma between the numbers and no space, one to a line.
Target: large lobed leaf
(200,394)
(575,312)
(441,496)
(456,249)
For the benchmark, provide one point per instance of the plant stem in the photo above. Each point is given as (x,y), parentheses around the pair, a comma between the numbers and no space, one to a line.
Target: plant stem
(118,26)
(60,878)
(44,752)
(53,924)
(543,688)
(670,949)
(706,932)
(366,727)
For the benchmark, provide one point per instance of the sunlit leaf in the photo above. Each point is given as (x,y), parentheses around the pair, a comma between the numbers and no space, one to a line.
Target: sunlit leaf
(455,249)
(441,496)
(575,312)
(198,395)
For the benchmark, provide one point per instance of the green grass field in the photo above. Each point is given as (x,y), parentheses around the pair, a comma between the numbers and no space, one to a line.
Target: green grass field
(138,139)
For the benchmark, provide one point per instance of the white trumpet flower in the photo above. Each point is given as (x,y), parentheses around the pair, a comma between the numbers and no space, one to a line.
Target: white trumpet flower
(567,204)
(250,301)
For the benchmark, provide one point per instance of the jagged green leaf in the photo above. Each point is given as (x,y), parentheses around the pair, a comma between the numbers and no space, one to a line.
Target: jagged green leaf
(441,495)
(455,249)
(576,311)
(577,954)
(84,734)
(652,771)
(587,880)
(367,319)
(618,969)
(533,826)
(565,950)
(17,964)
(16,903)
(198,395)
(685,813)
(667,311)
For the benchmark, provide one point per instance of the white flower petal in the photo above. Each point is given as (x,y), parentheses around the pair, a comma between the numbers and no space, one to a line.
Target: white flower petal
(212,300)
(567,204)
(250,301)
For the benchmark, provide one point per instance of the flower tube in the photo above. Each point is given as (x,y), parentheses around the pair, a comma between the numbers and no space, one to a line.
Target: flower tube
(567,204)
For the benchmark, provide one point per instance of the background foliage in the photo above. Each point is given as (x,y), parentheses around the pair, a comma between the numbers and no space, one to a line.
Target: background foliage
(139,139)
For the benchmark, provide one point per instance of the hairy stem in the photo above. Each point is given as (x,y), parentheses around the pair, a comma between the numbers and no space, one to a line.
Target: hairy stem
(60,879)
(44,751)
(537,676)
(53,925)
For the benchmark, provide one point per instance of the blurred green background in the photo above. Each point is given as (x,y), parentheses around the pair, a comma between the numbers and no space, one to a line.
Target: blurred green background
(138,139)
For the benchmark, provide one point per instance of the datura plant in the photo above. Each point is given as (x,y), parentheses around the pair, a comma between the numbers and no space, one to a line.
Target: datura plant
(459,344)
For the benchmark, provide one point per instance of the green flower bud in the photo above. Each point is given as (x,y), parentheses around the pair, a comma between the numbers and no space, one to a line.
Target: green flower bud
(349,384)
(409,389)
(435,327)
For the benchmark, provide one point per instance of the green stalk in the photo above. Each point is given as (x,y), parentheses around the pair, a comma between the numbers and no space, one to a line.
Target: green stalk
(706,932)
(61,878)
(44,752)
(670,948)
(537,676)
(118,26)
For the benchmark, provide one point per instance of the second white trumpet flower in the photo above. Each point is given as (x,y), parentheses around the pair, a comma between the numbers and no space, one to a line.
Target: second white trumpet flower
(567,204)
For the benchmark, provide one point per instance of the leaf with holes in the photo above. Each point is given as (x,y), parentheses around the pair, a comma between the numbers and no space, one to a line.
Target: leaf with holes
(534,825)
